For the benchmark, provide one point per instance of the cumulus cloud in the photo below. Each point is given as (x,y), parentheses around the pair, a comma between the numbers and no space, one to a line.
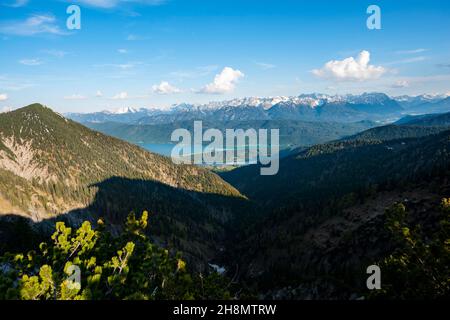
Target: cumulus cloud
(75,97)
(122,51)
(36,24)
(31,62)
(165,88)
(99,94)
(121,96)
(350,69)
(3,97)
(224,82)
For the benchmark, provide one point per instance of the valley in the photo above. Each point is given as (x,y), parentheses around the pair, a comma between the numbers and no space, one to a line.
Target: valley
(305,233)
(216,159)
(58,169)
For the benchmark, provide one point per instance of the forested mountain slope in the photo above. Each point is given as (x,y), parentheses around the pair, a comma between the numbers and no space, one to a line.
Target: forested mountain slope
(442,119)
(322,218)
(335,168)
(50,165)
(292,132)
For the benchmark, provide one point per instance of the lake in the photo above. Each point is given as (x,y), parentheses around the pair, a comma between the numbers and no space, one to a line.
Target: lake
(166,150)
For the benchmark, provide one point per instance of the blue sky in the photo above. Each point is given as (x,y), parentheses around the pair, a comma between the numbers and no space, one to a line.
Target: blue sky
(153,53)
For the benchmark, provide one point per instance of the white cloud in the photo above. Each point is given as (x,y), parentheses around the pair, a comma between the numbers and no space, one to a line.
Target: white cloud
(3,97)
(195,73)
(107,4)
(401,84)
(408,60)
(165,88)
(6,109)
(137,37)
(15,83)
(31,62)
(99,94)
(350,69)
(224,82)
(122,66)
(413,51)
(444,78)
(100,3)
(265,66)
(122,51)
(121,96)
(132,37)
(15,3)
(56,53)
(75,97)
(36,24)
(126,66)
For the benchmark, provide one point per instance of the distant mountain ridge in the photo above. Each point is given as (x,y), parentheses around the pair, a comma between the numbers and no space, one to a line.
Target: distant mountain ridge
(306,107)
(426,120)
(123,115)
(307,232)
(293,133)
(373,157)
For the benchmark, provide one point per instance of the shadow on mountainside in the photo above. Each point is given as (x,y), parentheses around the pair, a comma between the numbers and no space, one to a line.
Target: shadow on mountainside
(194,223)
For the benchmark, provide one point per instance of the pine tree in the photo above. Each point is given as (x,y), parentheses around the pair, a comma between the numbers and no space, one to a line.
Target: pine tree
(127,266)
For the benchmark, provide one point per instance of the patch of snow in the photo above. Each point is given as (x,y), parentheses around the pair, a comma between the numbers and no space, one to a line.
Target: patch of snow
(218,269)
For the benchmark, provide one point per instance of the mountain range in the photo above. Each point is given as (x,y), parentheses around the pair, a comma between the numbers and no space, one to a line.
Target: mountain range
(293,133)
(305,107)
(308,232)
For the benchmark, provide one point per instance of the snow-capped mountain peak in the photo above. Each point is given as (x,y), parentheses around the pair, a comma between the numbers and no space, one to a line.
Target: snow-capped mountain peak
(421,98)
(124,110)
(311,100)
(306,107)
